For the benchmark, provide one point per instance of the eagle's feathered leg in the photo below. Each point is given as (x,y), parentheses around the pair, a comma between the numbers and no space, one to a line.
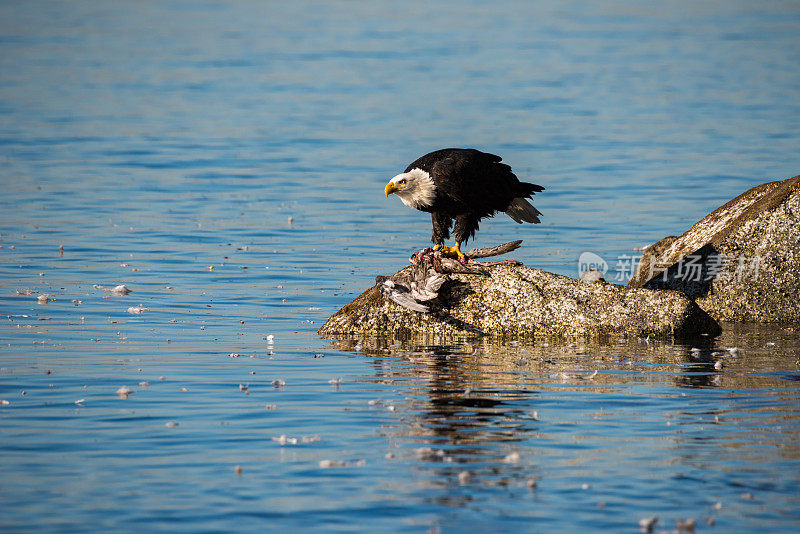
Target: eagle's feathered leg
(441,229)
(465,227)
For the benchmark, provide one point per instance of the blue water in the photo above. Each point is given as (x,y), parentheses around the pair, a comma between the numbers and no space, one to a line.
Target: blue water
(226,161)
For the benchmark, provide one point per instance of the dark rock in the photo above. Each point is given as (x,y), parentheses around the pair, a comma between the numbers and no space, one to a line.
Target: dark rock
(741,262)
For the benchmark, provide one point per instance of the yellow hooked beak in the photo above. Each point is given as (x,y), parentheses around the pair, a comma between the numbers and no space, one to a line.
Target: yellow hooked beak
(391,187)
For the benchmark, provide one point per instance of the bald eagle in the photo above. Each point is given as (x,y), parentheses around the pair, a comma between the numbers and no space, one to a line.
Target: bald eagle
(465,185)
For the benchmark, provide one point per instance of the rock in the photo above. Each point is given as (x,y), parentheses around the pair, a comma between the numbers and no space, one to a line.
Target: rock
(518,301)
(741,262)
(591,276)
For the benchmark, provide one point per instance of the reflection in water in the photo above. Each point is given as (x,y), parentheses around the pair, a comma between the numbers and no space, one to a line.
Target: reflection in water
(614,417)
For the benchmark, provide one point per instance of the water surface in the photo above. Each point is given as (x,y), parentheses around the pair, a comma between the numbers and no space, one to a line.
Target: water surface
(226,162)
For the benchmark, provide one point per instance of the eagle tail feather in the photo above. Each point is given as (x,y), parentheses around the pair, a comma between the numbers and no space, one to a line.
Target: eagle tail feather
(523,211)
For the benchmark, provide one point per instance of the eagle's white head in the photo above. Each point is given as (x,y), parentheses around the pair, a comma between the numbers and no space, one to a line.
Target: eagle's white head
(415,188)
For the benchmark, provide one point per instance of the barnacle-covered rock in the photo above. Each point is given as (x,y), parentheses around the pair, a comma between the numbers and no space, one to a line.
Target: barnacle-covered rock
(741,262)
(518,301)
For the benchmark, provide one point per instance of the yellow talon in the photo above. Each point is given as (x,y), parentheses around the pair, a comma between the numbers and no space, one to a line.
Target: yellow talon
(453,251)
(457,250)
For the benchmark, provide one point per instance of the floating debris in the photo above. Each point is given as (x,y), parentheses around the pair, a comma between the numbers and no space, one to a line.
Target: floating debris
(718,365)
(463,477)
(144,384)
(685,525)
(335,382)
(270,406)
(124,392)
(429,454)
(237,469)
(243,387)
(234,355)
(531,483)
(137,309)
(278,383)
(170,424)
(734,351)
(43,299)
(76,302)
(576,376)
(512,458)
(325,464)
(184,389)
(80,402)
(4,402)
(648,524)
(283,440)
(121,289)
(270,338)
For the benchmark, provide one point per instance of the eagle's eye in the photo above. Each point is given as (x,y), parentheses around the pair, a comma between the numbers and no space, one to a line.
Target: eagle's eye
(402,182)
